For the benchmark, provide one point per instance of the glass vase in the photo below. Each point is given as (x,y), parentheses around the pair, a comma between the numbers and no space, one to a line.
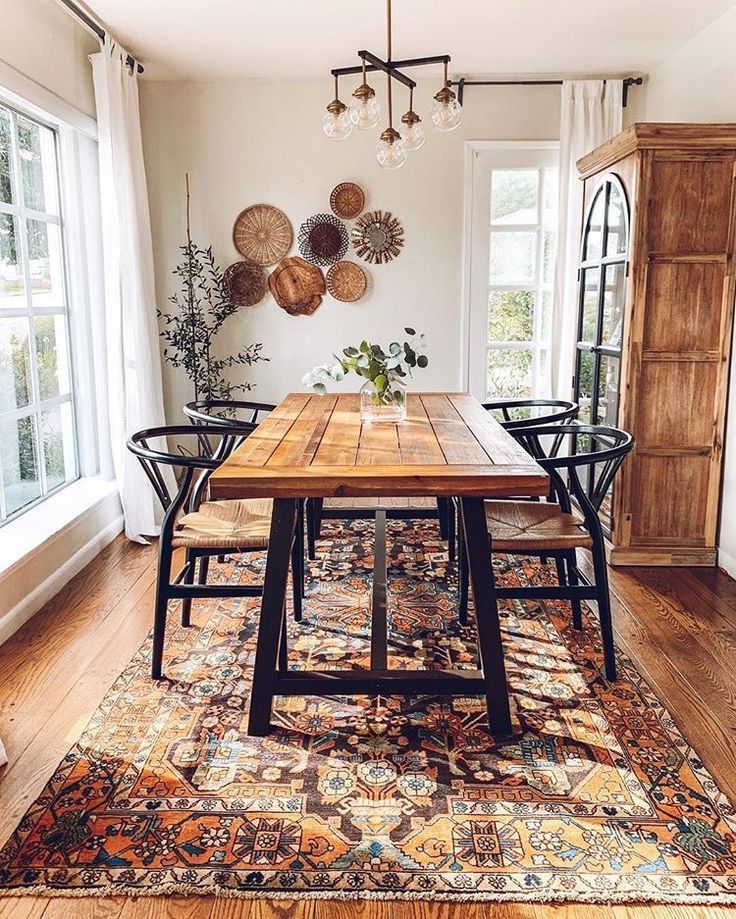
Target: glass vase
(388,406)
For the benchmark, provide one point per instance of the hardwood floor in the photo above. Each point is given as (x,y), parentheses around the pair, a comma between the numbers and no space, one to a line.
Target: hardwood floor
(679,625)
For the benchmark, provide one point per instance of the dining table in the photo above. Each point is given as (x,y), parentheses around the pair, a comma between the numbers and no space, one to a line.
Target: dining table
(317,446)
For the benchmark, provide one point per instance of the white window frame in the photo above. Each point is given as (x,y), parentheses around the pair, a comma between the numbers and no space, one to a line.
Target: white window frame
(481,157)
(76,136)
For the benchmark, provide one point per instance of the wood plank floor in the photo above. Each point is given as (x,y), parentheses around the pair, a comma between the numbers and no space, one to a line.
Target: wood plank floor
(679,625)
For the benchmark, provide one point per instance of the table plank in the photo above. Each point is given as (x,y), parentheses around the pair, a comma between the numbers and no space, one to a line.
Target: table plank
(301,441)
(339,444)
(417,440)
(379,445)
(260,446)
(500,446)
(455,438)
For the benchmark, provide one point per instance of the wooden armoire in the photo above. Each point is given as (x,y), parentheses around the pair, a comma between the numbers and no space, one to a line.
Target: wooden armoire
(657,288)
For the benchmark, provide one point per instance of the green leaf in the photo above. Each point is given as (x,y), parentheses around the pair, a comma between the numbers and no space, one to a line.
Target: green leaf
(422,360)
(409,331)
(380,382)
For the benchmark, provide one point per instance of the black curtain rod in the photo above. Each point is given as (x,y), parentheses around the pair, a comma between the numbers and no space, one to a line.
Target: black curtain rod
(462,83)
(97,29)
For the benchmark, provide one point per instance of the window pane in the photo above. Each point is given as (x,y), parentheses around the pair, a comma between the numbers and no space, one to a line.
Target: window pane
(15,364)
(616,241)
(12,287)
(614,294)
(551,196)
(607,408)
(548,257)
(37,166)
(45,262)
(57,437)
(52,359)
(594,234)
(586,369)
(514,196)
(546,319)
(509,373)
(6,194)
(590,305)
(21,482)
(511,315)
(513,258)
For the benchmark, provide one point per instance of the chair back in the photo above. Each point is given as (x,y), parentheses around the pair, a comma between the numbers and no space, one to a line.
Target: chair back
(195,462)
(582,461)
(228,412)
(531,413)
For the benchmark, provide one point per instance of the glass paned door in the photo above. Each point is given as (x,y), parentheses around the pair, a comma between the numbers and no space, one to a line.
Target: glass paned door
(512,242)
(602,292)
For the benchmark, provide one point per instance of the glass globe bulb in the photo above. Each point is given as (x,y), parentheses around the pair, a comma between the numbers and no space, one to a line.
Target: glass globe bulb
(412,135)
(391,154)
(337,125)
(365,112)
(446,114)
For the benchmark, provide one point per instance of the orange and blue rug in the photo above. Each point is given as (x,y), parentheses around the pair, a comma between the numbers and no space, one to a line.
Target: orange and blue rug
(596,797)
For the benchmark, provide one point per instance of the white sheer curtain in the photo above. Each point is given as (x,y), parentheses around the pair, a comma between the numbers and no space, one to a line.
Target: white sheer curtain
(591,113)
(135,396)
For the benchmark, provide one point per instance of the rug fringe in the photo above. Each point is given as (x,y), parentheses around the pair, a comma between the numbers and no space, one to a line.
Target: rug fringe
(532,896)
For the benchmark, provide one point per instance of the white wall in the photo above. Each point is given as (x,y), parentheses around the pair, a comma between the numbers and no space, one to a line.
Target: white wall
(249,142)
(698,83)
(40,39)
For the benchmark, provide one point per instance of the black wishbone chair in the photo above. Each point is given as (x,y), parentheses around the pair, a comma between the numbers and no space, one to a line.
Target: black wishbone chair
(200,527)
(580,477)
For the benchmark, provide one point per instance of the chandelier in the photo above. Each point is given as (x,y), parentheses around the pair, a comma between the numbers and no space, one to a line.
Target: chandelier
(364,110)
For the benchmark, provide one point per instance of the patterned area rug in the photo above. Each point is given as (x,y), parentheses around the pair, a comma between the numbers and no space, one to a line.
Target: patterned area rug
(597,797)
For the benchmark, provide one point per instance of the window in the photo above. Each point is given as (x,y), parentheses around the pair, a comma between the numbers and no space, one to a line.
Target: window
(38,452)
(513,240)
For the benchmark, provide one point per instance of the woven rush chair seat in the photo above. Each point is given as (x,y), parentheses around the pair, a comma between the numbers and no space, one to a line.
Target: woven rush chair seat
(226,525)
(533,525)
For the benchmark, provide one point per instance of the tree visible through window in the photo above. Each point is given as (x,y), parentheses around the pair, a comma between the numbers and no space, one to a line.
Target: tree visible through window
(37,435)
(523,220)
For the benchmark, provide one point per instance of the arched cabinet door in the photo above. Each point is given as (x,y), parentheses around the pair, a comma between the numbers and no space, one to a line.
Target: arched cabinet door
(602,297)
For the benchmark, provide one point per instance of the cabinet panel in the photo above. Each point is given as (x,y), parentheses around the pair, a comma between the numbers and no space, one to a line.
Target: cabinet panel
(689,205)
(676,403)
(671,505)
(685,306)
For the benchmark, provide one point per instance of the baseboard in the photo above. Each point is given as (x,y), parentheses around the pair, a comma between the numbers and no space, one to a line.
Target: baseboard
(47,589)
(727,562)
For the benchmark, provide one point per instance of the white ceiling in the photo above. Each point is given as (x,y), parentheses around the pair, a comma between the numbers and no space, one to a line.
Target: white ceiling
(231,39)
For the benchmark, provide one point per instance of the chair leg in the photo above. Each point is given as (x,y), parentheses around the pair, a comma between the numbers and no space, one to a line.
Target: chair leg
(573,581)
(284,646)
(160,609)
(561,575)
(463,579)
(318,504)
(186,603)
(311,529)
(451,532)
(442,515)
(297,566)
(604,610)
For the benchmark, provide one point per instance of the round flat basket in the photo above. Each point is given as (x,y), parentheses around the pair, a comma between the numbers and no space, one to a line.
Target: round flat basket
(347,200)
(262,234)
(378,237)
(346,281)
(245,283)
(297,286)
(323,239)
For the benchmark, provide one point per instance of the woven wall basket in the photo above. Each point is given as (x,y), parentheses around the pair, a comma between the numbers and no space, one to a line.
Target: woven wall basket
(346,281)
(245,283)
(378,237)
(347,200)
(262,234)
(323,239)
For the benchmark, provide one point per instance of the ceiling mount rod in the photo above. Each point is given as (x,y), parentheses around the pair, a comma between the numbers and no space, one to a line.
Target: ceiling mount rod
(462,83)
(89,23)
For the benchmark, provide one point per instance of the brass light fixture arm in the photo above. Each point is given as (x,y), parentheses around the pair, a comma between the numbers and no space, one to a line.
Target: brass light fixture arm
(393,68)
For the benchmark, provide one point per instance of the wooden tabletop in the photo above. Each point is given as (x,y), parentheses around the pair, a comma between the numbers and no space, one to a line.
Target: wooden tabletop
(316,446)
